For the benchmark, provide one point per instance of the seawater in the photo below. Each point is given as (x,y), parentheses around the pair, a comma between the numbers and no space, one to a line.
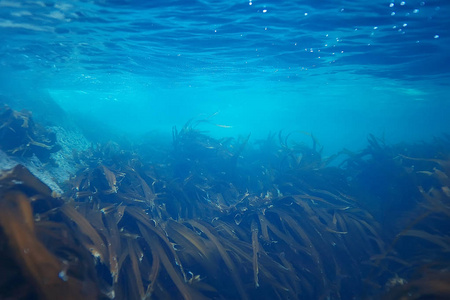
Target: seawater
(333,75)
(339,70)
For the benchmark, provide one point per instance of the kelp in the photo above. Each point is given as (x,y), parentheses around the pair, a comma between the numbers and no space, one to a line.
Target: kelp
(429,285)
(227,219)
(27,210)
(415,182)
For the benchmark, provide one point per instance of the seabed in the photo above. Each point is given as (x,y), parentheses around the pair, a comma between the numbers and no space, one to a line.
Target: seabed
(232,218)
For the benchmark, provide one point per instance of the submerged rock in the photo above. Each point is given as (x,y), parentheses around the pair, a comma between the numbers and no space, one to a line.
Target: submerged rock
(20,136)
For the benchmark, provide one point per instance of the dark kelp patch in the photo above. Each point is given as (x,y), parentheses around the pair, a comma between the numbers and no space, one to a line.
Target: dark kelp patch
(226,219)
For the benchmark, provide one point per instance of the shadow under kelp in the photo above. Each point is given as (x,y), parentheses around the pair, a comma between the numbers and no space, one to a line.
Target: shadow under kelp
(406,188)
(227,219)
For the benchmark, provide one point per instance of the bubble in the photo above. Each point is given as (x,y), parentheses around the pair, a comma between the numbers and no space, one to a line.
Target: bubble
(391,5)
(238,219)
(63,275)
(436,36)
(422,3)
(405,24)
(415,11)
(402,3)
(264,11)
(306,14)
(393,13)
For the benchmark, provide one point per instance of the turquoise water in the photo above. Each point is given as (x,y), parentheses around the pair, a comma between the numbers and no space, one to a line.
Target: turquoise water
(339,70)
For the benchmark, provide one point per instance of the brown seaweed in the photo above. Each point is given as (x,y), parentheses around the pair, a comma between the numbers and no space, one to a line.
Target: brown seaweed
(217,219)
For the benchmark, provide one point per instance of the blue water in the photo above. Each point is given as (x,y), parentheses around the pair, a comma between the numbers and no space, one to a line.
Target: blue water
(339,70)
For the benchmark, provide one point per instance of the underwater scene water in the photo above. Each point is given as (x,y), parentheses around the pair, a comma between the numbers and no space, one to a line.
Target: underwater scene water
(242,149)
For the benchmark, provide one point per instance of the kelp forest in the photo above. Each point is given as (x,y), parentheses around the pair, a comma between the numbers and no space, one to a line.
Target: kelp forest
(231,218)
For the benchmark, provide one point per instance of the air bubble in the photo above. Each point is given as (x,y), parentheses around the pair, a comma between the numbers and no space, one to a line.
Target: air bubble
(63,275)
(436,36)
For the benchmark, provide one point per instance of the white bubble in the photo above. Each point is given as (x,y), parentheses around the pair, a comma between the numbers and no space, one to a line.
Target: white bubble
(264,11)
(405,24)
(393,13)
(391,5)
(415,11)
(375,28)
(63,275)
(402,3)
(436,36)
(306,14)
